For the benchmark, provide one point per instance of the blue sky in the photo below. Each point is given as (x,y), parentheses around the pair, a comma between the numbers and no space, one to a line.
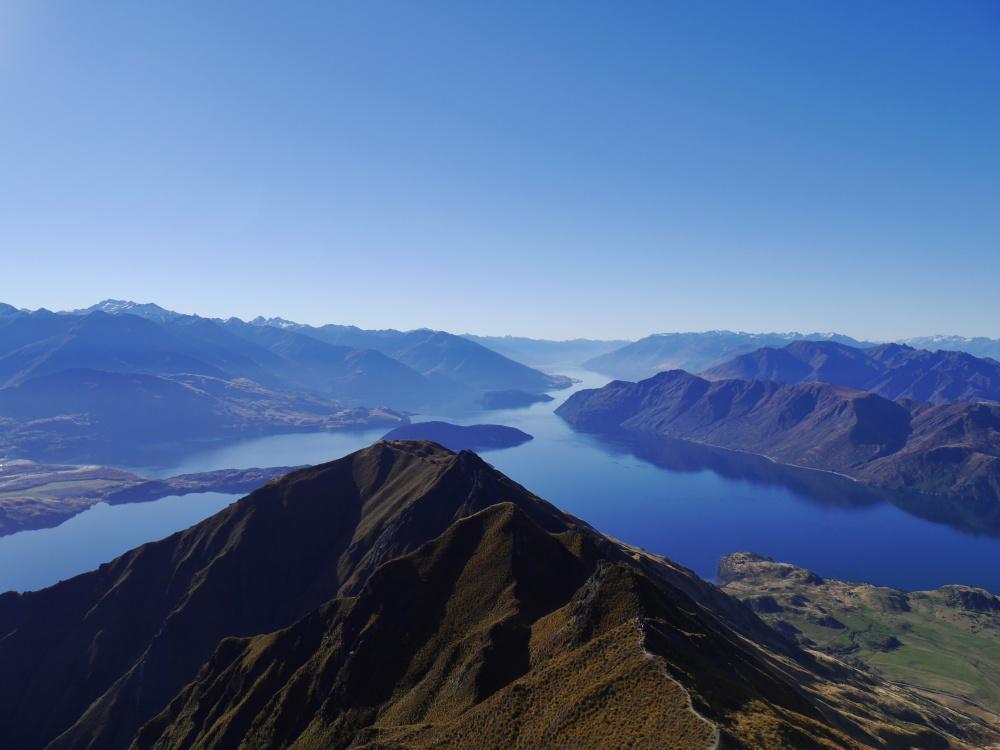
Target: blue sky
(554,170)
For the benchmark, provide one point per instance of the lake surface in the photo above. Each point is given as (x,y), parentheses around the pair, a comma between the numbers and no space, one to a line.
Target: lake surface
(692,504)
(35,559)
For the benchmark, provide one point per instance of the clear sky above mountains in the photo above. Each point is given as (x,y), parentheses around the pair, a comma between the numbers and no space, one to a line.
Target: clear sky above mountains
(541,169)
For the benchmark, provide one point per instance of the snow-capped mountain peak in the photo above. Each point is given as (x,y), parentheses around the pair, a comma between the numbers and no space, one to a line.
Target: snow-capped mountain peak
(260,320)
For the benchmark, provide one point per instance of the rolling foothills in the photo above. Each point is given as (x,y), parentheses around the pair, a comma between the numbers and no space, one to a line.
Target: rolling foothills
(945,641)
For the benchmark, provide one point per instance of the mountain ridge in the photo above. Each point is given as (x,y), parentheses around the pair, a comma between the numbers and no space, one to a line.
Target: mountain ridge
(158,355)
(951,448)
(406,595)
(423,367)
(894,371)
(690,351)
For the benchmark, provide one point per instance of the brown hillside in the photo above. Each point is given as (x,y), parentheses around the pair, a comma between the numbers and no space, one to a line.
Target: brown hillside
(407,596)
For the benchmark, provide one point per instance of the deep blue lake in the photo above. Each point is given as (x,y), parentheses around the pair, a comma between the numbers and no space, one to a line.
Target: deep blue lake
(691,504)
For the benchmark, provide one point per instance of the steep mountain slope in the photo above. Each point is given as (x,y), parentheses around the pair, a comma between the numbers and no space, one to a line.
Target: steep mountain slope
(693,352)
(120,342)
(413,369)
(173,344)
(444,354)
(355,375)
(301,541)
(416,370)
(240,357)
(406,596)
(123,343)
(890,370)
(23,328)
(949,448)
(953,448)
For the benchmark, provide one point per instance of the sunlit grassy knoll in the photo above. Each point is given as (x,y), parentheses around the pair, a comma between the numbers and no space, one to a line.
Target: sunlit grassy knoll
(947,640)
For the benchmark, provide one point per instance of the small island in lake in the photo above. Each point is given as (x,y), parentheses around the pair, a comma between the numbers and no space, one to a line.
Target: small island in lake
(513,399)
(458,437)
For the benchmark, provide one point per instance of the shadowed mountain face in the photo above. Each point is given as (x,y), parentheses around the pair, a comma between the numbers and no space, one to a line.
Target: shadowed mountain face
(132,344)
(693,352)
(361,375)
(889,370)
(407,596)
(949,448)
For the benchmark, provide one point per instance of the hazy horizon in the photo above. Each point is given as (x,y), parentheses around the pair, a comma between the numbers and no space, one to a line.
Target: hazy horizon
(507,333)
(548,171)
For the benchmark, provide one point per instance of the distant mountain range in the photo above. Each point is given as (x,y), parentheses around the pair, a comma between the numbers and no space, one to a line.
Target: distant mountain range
(951,448)
(137,372)
(126,307)
(546,353)
(442,355)
(345,362)
(697,352)
(693,352)
(406,596)
(977,347)
(890,370)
